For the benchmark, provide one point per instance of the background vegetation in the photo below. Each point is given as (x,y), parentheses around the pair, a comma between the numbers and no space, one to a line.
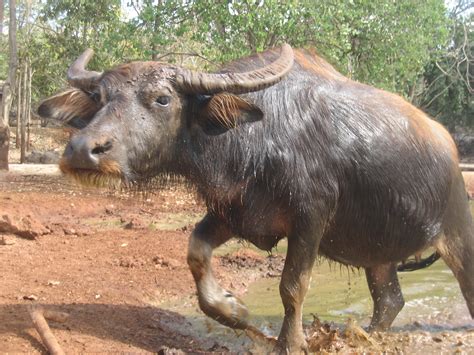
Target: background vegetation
(419,49)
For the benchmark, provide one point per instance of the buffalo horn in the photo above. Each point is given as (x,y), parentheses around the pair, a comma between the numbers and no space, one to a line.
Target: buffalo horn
(238,83)
(78,76)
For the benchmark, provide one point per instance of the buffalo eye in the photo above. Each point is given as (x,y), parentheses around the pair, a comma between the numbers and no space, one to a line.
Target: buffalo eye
(163,100)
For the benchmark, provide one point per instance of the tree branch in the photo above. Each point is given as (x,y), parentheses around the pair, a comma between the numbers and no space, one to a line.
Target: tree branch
(438,95)
(37,315)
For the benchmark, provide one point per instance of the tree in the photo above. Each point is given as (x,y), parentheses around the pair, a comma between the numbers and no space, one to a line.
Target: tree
(390,44)
(387,44)
(24,104)
(8,89)
(1,17)
(66,28)
(383,43)
(446,90)
(162,28)
(231,29)
(3,45)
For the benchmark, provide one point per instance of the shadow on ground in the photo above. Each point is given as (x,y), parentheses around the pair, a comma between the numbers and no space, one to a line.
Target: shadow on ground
(143,328)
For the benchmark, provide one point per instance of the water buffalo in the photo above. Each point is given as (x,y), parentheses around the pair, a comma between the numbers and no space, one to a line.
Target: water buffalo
(279,144)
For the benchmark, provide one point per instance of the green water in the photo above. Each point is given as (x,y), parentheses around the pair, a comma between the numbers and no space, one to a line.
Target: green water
(432,296)
(337,293)
(433,300)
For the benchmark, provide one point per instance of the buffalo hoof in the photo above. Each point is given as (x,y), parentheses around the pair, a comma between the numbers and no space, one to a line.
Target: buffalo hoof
(291,347)
(275,346)
(291,342)
(377,328)
(227,309)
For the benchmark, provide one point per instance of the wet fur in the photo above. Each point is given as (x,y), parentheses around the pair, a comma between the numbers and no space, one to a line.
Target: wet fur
(321,147)
(327,148)
(226,110)
(69,105)
(340,168)
(108,175)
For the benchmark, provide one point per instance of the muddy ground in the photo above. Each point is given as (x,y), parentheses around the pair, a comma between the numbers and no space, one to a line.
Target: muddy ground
(109,260)
(114,261)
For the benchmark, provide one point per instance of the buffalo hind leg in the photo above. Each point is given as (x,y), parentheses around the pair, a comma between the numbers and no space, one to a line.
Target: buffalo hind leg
(386,295)
(214,301)
(456,244)
(458,253)
(294,283)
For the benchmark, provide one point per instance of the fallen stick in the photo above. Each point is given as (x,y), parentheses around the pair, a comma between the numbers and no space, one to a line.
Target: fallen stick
(37,315)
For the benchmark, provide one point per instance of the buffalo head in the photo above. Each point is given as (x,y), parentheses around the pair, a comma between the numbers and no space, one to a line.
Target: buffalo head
(131,120)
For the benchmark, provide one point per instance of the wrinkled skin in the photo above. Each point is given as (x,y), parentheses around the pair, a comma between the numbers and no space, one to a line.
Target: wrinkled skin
(337,167)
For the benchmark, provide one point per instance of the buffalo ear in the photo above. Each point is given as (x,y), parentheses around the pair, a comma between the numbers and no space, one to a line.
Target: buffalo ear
(72,107)
(225,111)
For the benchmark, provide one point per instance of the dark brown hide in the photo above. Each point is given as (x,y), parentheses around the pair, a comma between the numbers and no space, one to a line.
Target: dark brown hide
(339,168)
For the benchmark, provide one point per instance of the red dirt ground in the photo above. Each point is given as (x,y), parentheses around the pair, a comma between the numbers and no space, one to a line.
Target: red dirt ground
(113,261)
(104,259)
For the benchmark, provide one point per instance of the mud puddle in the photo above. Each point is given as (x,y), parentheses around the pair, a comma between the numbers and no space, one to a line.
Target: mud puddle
(435,316)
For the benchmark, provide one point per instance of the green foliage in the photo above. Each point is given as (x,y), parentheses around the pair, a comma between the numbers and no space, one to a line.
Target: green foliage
(399,45)
(159,26)
(4,48)
(71,26)
(234,28)
(3,58)
(384,43)
(387,43)
(59,30)
(448,86)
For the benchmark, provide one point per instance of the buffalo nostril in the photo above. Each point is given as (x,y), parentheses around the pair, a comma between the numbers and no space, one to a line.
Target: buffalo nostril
(68,151)
(102,148)
(79,154)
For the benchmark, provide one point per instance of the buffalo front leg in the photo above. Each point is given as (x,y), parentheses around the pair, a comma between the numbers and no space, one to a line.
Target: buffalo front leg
(386,294)
(294,283)
(217,303)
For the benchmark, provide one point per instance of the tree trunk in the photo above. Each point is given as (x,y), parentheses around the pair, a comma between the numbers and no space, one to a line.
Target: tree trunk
(156,29)
(27,83)
(28,105)
(4,142)
(23,114)
(8,88)
(2,6)
(18,109)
